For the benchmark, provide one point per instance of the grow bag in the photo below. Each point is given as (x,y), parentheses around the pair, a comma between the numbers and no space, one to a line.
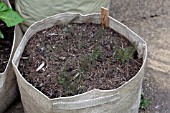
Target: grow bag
(35,10)
(8,84)
(124,99)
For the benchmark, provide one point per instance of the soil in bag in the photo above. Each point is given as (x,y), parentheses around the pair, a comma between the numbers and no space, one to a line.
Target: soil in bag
(5,45)
(72,59)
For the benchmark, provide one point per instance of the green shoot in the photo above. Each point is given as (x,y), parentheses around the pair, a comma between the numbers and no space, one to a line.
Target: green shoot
(84,63)
(95,54)
(144,102)
(124,54)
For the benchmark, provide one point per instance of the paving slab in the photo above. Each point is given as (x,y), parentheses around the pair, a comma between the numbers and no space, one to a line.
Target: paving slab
(151,20)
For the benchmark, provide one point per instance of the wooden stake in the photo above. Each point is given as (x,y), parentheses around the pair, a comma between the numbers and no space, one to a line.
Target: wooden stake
(104,17)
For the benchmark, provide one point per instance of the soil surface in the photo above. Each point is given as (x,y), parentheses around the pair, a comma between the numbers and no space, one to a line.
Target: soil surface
(5,45)
(72,59)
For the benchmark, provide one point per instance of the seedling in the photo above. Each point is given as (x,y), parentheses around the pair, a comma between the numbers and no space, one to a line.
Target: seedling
(64,81)
(144,102)
(9,16)
(124,54)
(68,30)
(85,63)
(70,84)
(99,33)
(80,45)
(73,86)
(95,54)
(89,59)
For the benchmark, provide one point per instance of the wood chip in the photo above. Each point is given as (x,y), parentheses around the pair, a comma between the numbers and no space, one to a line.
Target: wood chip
(25,58)
(41,66)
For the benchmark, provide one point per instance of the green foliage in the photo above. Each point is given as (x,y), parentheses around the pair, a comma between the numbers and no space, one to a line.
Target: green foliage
(80,45)
(68,30)
(87,60)
(144,102)
(9,16)
(70,84)
(99,33)
(84,63)
(124,54)
(1,35)
(62,79)
(95,54)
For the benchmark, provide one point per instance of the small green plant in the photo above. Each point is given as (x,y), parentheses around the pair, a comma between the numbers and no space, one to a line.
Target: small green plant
(144,102)
(124,54)
(69,83)
(99,33)
(80,45)
(62,79)
(95,54)
(9,16)
(85,63)
(89,59)
(68,30)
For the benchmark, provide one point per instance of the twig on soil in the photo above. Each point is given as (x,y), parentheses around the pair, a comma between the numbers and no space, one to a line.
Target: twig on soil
(41,66)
